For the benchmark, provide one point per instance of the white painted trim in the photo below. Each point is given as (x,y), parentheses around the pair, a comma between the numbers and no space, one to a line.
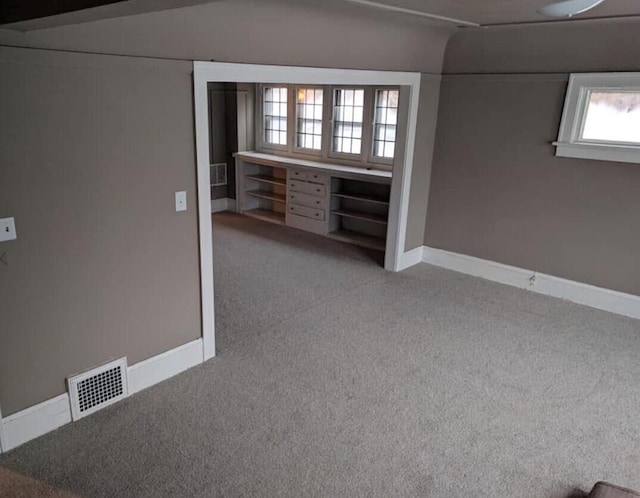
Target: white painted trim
(616,153)
(224,204)
(577,292)
(36,421)
(3,444)
(164,366)
(49,415)
(411,258)
(401,186)
(201,109)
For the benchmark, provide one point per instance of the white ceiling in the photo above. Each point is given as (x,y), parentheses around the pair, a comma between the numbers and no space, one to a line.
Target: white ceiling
(483,12)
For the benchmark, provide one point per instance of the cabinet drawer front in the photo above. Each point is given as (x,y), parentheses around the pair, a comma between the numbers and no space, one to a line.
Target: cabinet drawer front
(307,188)
(306,200)
(294,174)
(318,178)
(306,224)
(316,214)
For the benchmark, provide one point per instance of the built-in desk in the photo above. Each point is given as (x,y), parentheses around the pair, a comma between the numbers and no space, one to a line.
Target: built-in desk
(342,202)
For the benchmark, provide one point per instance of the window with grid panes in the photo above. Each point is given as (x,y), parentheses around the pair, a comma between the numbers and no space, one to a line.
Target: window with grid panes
(309,102)
(348,116)
(385,122)
(275,115)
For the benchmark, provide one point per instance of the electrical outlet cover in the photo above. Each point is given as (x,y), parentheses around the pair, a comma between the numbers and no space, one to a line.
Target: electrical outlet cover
(7,229)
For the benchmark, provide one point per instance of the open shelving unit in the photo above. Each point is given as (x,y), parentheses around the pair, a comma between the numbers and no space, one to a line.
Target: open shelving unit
(359,212)
(263,192)
(344,203)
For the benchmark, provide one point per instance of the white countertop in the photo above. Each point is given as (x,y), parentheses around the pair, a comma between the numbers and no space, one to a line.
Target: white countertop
(339,170)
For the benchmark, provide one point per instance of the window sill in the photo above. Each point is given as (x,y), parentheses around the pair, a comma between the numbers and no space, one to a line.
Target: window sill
(600,152)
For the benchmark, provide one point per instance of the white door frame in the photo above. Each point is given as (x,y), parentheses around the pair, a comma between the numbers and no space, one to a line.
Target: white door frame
(205,72)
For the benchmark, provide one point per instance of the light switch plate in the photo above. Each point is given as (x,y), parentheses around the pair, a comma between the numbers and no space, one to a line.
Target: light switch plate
(181,201)
(7,229)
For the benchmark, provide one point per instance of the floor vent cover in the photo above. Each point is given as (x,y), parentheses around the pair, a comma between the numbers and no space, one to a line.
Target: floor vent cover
(97,388)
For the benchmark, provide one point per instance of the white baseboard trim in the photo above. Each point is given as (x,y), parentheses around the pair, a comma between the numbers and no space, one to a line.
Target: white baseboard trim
(36,421)
(577,292)
(225,204)
(164,366)
(3,443)
(410,258)
(49,415)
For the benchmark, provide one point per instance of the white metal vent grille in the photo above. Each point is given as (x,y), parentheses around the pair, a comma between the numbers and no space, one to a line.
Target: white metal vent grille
(97,388)
(218,174)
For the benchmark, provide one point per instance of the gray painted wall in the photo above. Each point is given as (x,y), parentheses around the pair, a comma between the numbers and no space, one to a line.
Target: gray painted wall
(103,266)
(577,46)
(347,36)
(91,151)
(498,192)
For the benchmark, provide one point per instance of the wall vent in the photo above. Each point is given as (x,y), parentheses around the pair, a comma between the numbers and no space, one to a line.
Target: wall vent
(218,173)
(93,390)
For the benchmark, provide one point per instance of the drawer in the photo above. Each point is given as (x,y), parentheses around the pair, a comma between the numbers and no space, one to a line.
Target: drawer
(307,188)
(294,174)
(316,214)
(318,178)
(306,224)
(306,200)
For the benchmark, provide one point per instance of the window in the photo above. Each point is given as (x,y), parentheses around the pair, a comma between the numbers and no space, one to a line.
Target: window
(275,115)
(351,125)
(348,117)
(612,116)
(601,118)
(385,122)
(309,108)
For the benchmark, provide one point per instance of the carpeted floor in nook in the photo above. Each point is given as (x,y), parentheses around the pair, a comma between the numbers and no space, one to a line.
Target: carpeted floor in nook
(335,378)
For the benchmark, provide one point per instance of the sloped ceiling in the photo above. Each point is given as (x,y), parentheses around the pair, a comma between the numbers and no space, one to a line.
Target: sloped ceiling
(26,15)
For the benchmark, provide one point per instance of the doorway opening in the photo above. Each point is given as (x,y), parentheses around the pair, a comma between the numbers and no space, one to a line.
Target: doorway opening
(212,76)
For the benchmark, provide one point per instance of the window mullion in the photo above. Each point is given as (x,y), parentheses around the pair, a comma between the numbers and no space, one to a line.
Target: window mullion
(367,125)
(327,121)
(291,118)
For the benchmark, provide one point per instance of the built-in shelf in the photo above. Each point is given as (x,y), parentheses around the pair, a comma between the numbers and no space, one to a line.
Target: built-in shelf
(362,197)
(266,215)
(374,218)
(266,194)
(377,243)
(268,179)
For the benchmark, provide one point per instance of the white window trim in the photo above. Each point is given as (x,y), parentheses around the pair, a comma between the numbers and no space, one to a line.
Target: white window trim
(260,101)
(363,155)
(574,113)
(373,159)
(304,150)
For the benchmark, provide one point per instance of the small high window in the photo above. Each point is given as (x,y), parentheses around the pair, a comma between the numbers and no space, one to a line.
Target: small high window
(309,118)
(275,115)
(601,118)
(612,116)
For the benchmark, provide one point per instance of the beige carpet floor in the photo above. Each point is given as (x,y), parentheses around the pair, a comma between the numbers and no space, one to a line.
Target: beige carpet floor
(337,379)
